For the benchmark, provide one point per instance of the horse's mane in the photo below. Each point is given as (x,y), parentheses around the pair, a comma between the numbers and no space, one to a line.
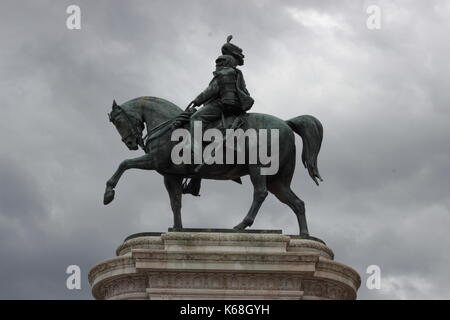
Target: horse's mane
(164,107)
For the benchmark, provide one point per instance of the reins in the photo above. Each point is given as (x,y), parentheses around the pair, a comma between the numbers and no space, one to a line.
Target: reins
(153,133)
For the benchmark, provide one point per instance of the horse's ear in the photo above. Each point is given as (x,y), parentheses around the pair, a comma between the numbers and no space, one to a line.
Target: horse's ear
(114,105)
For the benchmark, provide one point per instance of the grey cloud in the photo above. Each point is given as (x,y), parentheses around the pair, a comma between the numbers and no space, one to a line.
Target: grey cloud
(20,197)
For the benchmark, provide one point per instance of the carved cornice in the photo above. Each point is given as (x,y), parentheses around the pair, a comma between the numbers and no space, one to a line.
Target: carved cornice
(135,286)
(141,255)
(203,236)
(341,270)
(224,280)
(140,243)
(128,285)
(118,263)
(300,244)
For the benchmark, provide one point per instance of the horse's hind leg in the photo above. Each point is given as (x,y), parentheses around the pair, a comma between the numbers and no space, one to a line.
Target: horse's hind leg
(284,193)
(259,195)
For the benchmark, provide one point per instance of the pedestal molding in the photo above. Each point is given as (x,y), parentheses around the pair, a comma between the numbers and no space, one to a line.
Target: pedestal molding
(227,266)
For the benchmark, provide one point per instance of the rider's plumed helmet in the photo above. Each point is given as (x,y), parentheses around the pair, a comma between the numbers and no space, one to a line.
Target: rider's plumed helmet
(233,50)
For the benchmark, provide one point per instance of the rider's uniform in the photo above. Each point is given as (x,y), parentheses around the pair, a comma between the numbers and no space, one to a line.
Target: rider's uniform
(221,94)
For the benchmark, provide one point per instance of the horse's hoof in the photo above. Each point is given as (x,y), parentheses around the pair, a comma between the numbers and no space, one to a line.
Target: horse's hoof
(108,197)
(240,227)
(305,235)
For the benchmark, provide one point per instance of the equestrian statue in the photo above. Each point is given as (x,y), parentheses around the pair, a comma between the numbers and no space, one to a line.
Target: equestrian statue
(223,106)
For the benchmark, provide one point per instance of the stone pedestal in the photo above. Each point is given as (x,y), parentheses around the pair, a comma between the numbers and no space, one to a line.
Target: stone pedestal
(217,265)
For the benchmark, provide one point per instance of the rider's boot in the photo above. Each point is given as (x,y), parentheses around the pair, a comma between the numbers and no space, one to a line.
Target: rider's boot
(193,187)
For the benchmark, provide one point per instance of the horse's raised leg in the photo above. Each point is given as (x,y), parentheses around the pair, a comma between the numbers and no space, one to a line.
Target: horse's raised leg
(144,162)
(259,195)
(284,193)
(174,186)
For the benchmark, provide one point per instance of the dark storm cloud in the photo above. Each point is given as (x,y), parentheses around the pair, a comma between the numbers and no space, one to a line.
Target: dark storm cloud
(381,95)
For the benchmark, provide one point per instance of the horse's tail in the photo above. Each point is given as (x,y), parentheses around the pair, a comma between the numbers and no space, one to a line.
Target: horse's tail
(311,131)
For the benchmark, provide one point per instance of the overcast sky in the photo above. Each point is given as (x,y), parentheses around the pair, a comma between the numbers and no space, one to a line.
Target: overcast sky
(383,97)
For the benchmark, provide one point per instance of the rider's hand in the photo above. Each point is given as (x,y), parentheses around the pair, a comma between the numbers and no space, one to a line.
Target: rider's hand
(190,105)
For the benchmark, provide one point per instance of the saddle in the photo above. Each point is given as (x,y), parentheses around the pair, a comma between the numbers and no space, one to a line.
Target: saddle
(229,120)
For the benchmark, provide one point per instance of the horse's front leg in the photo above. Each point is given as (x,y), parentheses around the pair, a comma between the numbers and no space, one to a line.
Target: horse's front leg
(144,162)
(174,186)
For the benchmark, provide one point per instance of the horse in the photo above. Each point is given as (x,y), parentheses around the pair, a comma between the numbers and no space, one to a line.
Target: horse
(154,113)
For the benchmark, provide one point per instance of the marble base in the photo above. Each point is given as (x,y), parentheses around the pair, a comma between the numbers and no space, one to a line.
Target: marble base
(219,265)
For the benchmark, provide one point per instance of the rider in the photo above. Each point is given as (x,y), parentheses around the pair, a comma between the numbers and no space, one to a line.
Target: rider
(225,90)
(226,93)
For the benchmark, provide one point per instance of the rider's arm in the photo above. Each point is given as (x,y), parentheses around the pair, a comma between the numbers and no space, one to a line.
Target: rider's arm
(208,93)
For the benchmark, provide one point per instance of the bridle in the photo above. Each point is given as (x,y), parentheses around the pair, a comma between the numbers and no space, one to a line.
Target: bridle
(133,132)
(152,133)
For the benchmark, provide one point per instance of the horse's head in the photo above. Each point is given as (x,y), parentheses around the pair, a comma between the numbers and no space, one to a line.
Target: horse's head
(128,125)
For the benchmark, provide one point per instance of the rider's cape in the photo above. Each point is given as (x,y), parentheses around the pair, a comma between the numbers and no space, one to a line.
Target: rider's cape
(246,102)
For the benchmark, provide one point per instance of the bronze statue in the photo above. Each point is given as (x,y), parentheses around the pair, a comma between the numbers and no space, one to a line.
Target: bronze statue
(224,105)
